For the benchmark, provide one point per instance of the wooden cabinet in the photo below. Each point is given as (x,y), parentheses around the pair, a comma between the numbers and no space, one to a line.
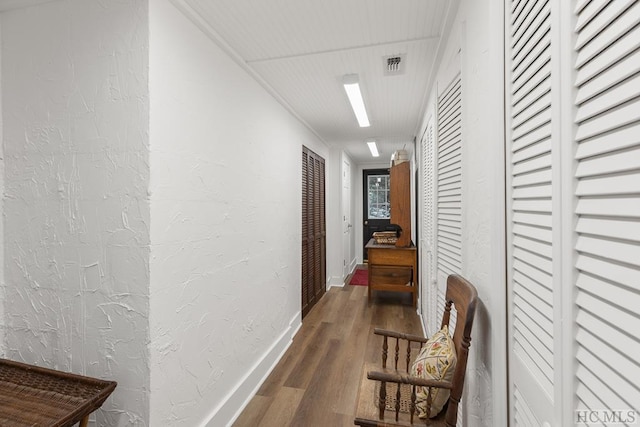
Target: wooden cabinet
(393,269)
(400,199)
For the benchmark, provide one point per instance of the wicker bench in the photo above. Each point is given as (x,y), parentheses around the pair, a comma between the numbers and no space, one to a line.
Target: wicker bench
(35,396)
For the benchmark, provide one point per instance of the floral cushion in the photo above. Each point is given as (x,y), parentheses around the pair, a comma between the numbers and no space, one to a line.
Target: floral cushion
(436,361)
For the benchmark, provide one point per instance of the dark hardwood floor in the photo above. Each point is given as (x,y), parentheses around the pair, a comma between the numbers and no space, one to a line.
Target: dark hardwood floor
(316,382)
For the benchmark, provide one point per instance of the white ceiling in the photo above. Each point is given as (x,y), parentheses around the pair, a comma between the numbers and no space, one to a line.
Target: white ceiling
(300,50)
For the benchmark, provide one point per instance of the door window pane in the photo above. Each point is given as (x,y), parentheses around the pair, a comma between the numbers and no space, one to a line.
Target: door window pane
(378,186)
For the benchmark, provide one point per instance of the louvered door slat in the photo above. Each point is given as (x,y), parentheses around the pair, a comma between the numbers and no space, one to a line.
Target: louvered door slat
(313,230)
(449,258)
(601,21)
(534,45)
(585,374)
(609,58)
(540,342)
(629,136)
(589,11)
(535,92)
(523,414)
(539,261)
(608,205)
(531,245)
(608,311)
(532,178)
(615,337)
(611,121)
(533,192)
(610,185)
(535,281)
(603,38)
(617,363)
(597,82)
(580,4)
(534,108)
(534,163)
(530,355)
(428,291)
(450,130)
(530,146)
(532,23)
(449,216)
(611,98)
(519,11)
(531,86)
(607,227)
(534,220)
(450,174)
(450,112)
(452,157)
(451,183)
(536,136)
(448,193)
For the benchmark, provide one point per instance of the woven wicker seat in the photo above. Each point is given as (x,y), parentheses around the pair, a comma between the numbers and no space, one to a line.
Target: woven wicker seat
(35,396)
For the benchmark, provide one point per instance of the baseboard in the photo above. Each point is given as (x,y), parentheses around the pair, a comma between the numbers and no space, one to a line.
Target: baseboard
(335,281)
(422,322)
(230,409)
(353,264)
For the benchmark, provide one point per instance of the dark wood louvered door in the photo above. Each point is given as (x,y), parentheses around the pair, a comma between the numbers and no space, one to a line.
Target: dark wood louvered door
(314,233)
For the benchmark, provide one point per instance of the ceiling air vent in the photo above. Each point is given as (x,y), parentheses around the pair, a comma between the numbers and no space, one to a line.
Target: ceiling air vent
(394,65)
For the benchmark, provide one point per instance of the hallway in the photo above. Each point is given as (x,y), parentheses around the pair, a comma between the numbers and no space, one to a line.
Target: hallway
(316,381)
(152,175)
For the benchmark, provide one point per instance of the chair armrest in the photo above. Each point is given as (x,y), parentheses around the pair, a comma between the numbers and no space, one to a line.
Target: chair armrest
(395,377)
(394,334)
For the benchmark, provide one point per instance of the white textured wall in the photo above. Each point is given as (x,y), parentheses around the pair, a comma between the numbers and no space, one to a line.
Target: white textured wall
(2,282)
(225,225)
(476,33)
(76,214)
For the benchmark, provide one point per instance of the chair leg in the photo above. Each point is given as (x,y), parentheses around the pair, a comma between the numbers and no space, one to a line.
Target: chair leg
(85,421)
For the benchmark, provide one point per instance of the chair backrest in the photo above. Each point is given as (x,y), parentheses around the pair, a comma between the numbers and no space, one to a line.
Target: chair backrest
(463,296)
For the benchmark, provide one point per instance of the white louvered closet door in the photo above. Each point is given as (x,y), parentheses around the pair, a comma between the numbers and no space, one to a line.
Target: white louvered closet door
(449,187)
(429,285)
(607,175)
(530,187)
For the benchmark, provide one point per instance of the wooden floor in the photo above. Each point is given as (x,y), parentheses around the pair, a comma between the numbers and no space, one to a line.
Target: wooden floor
(316,381)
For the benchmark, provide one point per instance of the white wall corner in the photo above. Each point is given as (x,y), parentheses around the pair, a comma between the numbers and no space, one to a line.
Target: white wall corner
(232,406)
(2,283)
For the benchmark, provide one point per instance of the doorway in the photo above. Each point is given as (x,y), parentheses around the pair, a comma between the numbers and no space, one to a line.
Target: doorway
(346,218)
(314,232)
(376,209)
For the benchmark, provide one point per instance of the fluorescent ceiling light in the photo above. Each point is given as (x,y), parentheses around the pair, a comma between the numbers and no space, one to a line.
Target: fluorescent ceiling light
(373,148)
(352,88)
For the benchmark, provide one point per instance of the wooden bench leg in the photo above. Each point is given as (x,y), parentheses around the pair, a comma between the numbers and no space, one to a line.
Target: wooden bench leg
(85,421)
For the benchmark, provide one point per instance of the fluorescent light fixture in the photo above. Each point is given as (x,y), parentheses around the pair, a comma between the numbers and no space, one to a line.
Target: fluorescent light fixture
(373,148)
(352,87)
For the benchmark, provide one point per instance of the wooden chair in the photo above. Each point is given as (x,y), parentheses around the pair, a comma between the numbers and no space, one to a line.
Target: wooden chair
(387,396)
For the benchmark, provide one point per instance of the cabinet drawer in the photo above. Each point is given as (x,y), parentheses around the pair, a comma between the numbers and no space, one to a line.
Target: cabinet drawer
(384,275)
(392,256)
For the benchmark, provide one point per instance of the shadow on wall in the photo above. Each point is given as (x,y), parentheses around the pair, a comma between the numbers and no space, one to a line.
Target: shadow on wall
(479,392)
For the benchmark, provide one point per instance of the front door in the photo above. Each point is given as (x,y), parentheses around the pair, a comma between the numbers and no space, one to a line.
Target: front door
(375,207)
